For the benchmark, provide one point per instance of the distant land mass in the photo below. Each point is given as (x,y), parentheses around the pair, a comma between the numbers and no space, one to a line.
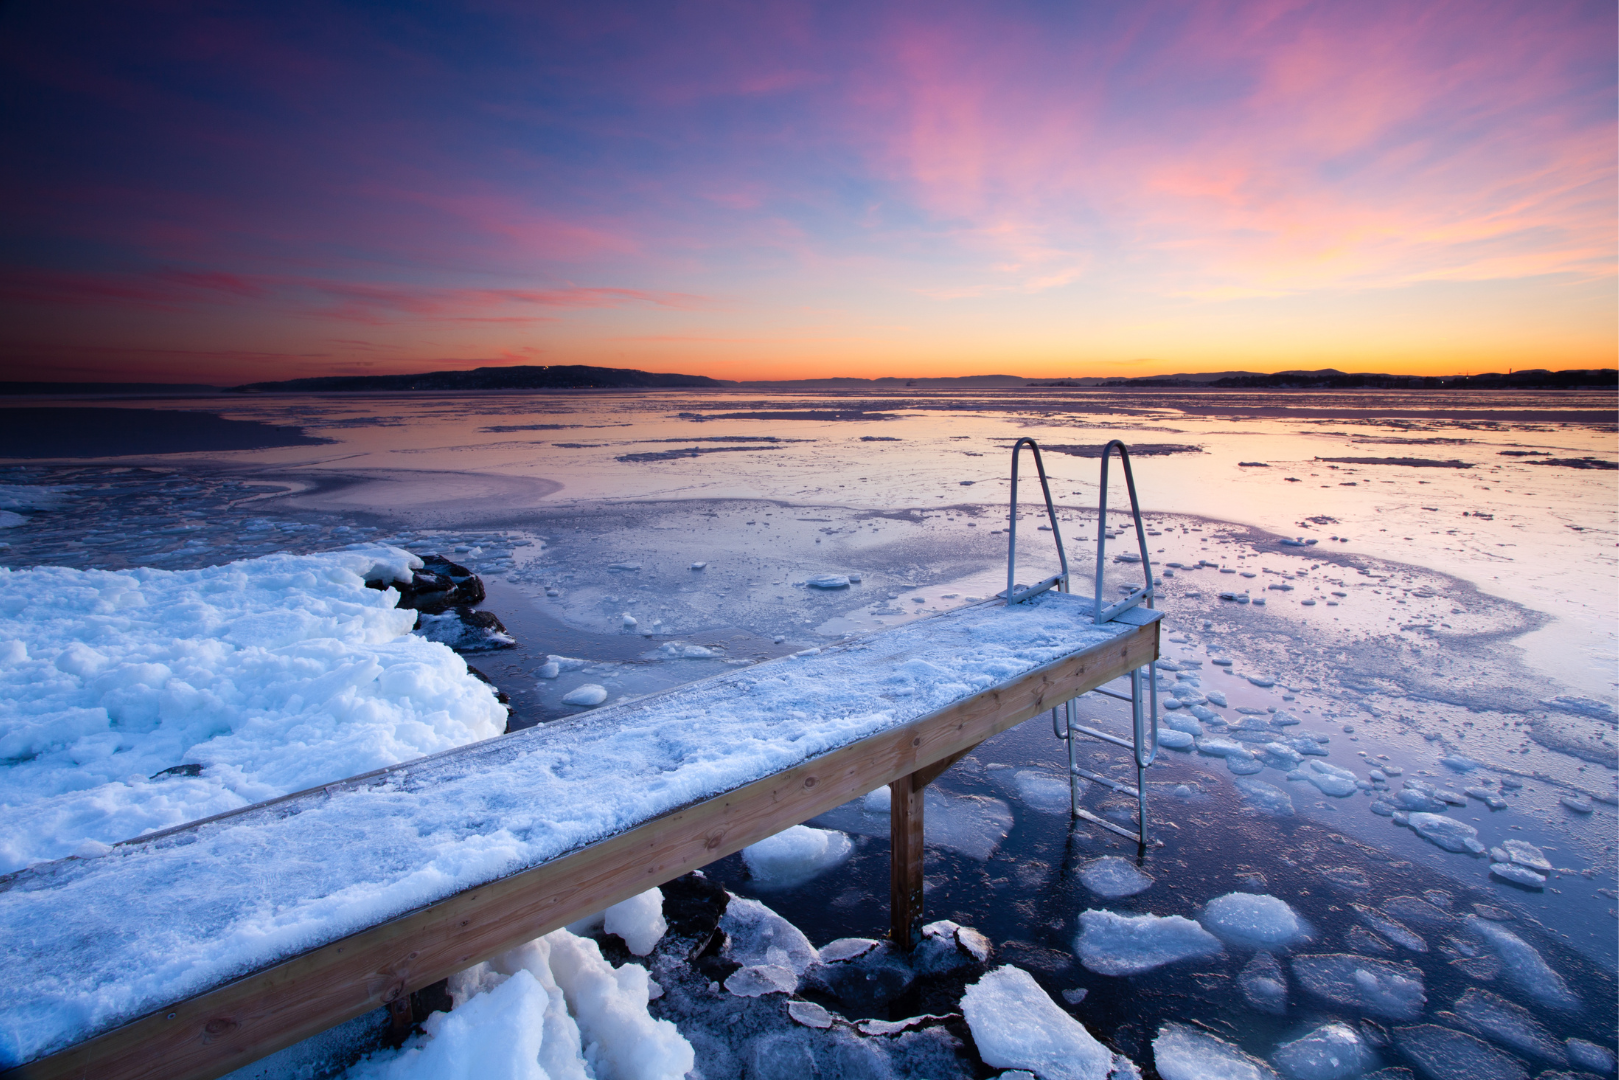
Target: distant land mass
(1333,379)
(521,377)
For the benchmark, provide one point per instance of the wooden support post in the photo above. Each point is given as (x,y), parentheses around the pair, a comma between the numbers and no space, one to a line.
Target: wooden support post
(905,860)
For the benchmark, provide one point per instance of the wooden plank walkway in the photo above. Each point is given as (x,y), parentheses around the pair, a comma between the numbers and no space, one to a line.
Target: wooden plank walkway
(897,707)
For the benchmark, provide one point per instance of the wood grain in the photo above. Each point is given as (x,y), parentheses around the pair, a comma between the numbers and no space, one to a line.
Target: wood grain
(905,860)
(224,1029)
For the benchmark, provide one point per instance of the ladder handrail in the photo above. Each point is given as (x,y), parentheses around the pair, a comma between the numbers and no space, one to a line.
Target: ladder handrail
(1139,595)
(1060,580)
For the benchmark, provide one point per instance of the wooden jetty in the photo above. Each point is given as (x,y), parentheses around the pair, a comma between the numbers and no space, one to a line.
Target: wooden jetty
(214,1020)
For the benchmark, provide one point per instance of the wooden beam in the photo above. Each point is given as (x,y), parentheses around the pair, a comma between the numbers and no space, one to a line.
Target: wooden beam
(905,860)
(216,1032)
(921,778)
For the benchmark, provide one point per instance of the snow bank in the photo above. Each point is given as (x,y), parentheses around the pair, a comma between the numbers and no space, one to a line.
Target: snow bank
(552,1009)
(137,700)
(207,910)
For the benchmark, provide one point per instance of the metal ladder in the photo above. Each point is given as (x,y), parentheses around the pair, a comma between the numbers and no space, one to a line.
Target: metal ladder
(1143,706)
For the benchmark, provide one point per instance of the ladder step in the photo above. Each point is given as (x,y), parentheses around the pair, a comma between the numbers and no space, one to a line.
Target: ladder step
(1104,736)
(1111,694)
(1107,780)
(1096,820)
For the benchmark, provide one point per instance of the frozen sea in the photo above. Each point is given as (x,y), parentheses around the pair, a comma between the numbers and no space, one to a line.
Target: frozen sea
(1440,614)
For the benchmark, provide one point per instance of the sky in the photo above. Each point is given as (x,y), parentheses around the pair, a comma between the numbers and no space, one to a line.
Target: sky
(224,193)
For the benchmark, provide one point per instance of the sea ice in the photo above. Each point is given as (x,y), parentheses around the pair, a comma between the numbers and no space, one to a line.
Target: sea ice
(1203,713)
(1182,723)
(1113,944)
(1264,984)
(757,936)
(1447,1054)
(1524,853)
(1518,875)
(1523,964)
(555,665)
(1041,791)
(1448,833)
(973,825)
(1330,779)
(1510,1024)
(1217,697)
(1265,797)
(795,855)
(1390,928)
(586,694)
(1182,1052)
(1016,1025)
(1219,746)
(1332,1051)
(1253,921)
(1590,1056)
(828,581)
(1379,987)
(680,650)
(1114,877)
(1175,740)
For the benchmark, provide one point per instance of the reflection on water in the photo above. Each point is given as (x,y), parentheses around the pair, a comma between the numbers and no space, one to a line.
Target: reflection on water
(1437,630)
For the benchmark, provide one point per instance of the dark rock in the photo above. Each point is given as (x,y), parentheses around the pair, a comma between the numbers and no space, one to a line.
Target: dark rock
(178,770)
(438,586)
(465,630)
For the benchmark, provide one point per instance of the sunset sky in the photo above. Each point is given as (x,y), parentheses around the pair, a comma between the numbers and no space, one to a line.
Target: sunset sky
(217,192)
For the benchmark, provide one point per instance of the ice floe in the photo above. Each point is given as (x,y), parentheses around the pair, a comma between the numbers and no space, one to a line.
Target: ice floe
(1590,1056)
(1253,921)
(1446,832)
(1523,964)
(1264,984)
(587,694)
(1505,1022)
(1264,797)
(1016,1025)
(795,855)
(1390,928)
(1042,791)
(1114,877)
(1114,944)
(1333,1051)
(1182,1052)
(1379,987)
(1447,1054)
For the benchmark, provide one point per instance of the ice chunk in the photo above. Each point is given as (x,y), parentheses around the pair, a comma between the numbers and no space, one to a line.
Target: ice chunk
(1415,909)
(757,980)
(1112,876)
(1182,723)
(624,566)
(1261,921)
(628,621)
(1379,987)
(1390,928)
(1590,1056)
(1518,875)
(1042,791)
(1217,697)
(699,566)
(756,935)
(796,855)
(1113,944)
(1174,740)
(1219,746)
(1265,797)
(849,948)
(638,920)
(1186,1053)
(1581,706)
(1204,714)
(1330,1052)
(1524,965)
(1264,984)
(680,650)
(1526,854)
(587,694)
(1458,763)
(1447,1054)
(1577,803)
(1016,1025)
(878,800)
(497,1033)
(809,1014)
(828,581)
(1331,779)
(973,825)
(1509,1024)
(1262,681)
(1448,833)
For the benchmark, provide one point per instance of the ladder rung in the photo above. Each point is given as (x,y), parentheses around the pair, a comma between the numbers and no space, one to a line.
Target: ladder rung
(1096,820)
(1125,789)
(1104,736)
(1111,694)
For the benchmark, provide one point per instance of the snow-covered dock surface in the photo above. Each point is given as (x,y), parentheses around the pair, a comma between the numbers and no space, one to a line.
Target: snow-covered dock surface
(102,941)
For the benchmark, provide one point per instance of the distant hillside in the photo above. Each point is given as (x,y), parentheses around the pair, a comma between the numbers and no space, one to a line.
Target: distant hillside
(959,382)
(527,377)
(1333,379)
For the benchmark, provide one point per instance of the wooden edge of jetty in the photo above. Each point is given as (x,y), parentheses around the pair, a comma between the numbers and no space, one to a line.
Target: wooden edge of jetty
(216,1032)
